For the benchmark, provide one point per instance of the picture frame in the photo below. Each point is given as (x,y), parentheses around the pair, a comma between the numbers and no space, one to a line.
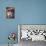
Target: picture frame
(10,12)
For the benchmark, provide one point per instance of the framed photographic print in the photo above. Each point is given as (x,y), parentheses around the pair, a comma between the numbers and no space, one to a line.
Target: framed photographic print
(10,12)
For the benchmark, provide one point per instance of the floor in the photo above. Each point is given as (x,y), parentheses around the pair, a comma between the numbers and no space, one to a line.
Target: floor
(30,43)
(7,45)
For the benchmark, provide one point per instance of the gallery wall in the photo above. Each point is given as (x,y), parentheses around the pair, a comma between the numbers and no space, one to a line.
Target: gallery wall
(26,12)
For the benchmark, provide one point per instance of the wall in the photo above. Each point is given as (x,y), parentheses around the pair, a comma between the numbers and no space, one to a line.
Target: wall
(27,12)
(7,25)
